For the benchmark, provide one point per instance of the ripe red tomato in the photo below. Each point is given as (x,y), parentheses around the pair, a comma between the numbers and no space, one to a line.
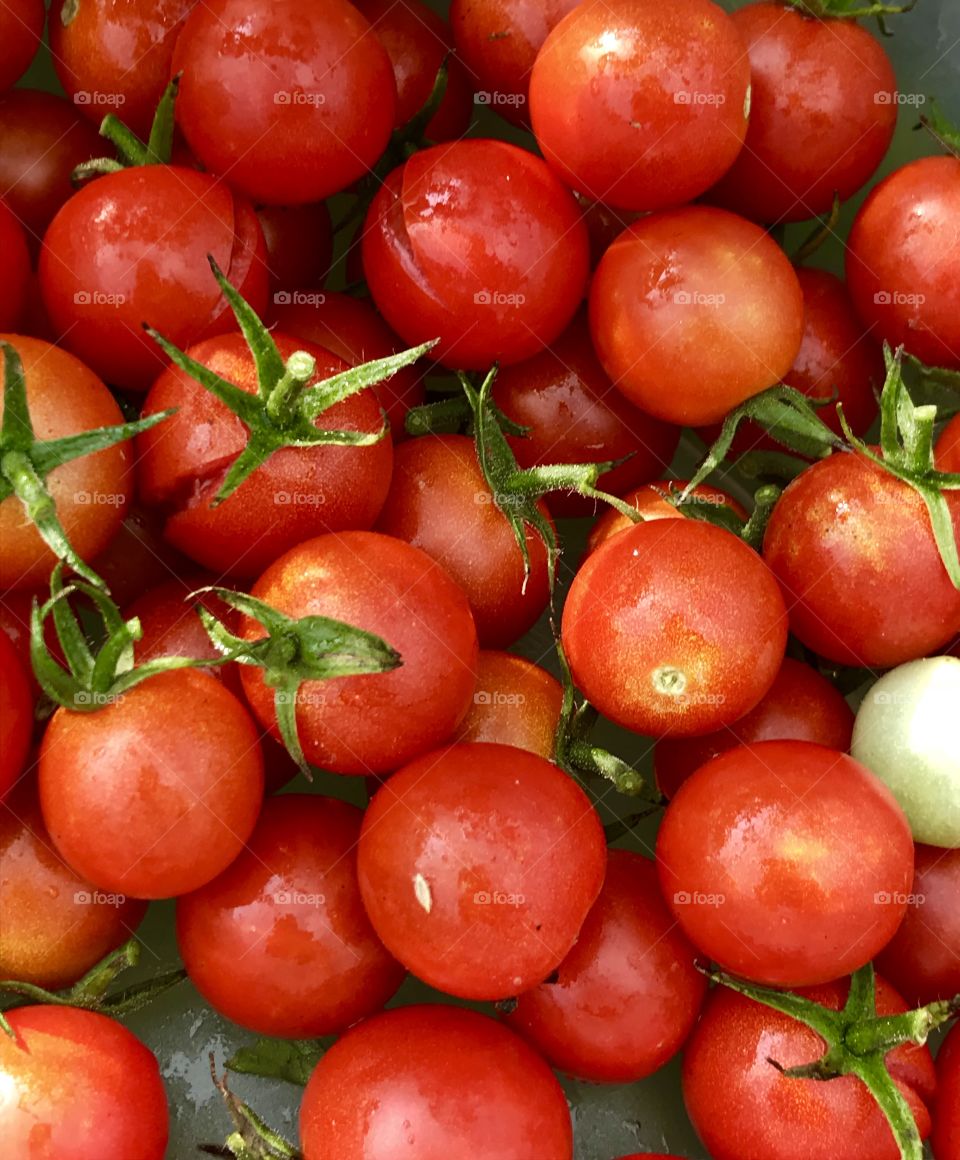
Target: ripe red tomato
(574,415)
(652,501)
(637,111)
(292,102)
(694,310)
(822,114)
(586,1020)
(742,1106)
(786,862)
(800,705)
(16,712)
(905,281)
(947,451)
(430,1083)
(91,493)
(16,275)
(373,723)
(478,244)
(946,1121)
(656,627)
(439,502)
(854,552)
(299,240)
(480,882)
(21,33)
(155,793)
(280,942)
(515,703)
(79,1086)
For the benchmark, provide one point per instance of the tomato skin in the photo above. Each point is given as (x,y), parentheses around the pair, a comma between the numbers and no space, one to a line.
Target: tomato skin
(652,501)
(516,703)
(800,705)
(946,1120)
(853,550)
(377,722)
(656,623)
(299,241)
(434,272)
(16,274)
(170,813)
(947,450)
(16,713)
(695,296)
(822,114)
(419,1083)
(744,1109)
(903,269)
(627,995)
(509,856)
(21,34)
(786,862)
(81,1087)
(440,502)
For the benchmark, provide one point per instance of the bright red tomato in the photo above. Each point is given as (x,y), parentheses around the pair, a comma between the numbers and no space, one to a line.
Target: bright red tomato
(299,240)
(652,501)
(786,862)
(478,244)
(16,273)
(947,453)
(16,713)
(515,703)
(431,1083)
(21,33)
(946,1122)
(480,881)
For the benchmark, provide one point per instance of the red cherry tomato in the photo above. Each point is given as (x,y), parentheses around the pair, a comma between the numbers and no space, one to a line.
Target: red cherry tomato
(786,862)
(946,1121)
(299,240)
(586,1020)
(694,310)
(637,111)
(515,703)
(16,274)
(21,33)
(430,1083)
(478,865)
(16,713)
(79,1086)
(947,452)
(652,501)
(655,623)
(478,244)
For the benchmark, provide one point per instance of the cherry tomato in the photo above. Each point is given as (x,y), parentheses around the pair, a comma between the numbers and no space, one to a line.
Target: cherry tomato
(16,712)
(822,114)
(574,415)
(741,1105)
(905,278)
(480,881)
(854,552)
(656,627)
(589,1020)
(515,703)
(155,793)
(292,102)
(373,723)
(439,502)
(478,244)
(694,310)
(786,862)
(280,942)
(91,493)
(138,557)
(946,1122)
(79,1086)
(429,1083)
(800,705)
(299,240)
(637,111)
(947,451)
(652,500)
(16,275)
(21,33)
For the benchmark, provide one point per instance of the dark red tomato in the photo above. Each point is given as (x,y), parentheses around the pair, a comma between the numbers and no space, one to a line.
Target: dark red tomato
(440,502)
(90,493)
(903,263)
(299,241)
(21,33)
(800,705)
(627,995)
(352,330)
(639,110)
(155,793)
(478,244)
(418,41)
(480,882)
(291,101)
(786,862)
(79,1086)
(373,723)
(280,942)
(855,555)
(15,610)
(923,958)
(515,703)
(675,626)
(297,493)
(139,558)
(16,713)
(652,501)
(575,415)
(14,285)
(946,1121)
(113,56)
(56,926)
(948,447)
(822,114)
(742,1106)
(431,1083)
(694,310)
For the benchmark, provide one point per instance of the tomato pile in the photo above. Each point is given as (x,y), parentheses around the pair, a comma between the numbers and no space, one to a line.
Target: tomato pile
(343,345)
